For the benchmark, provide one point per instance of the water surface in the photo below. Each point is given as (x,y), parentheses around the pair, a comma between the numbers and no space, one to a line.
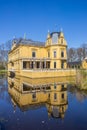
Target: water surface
(47,107)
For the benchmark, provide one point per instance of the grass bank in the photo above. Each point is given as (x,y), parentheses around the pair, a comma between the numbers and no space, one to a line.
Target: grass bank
(81,79)
(3,71)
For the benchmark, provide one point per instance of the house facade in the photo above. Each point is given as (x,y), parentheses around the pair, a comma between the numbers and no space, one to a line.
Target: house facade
(27,55)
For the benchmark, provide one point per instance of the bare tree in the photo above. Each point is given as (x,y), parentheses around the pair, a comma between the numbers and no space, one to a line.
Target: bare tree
(77,54)
(71,54)
(4,49)
(84,50)
(80,53)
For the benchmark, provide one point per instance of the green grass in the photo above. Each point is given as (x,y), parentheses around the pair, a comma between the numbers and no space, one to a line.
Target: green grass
(82,79)
(3,71)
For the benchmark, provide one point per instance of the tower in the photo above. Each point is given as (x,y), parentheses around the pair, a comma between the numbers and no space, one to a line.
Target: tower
(57,47)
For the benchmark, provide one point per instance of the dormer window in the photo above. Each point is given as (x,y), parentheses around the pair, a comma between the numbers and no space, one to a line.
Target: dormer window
(62,41)
(15,41)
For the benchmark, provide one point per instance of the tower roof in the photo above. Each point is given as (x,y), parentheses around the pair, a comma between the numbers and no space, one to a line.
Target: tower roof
(48,36)
(61,34)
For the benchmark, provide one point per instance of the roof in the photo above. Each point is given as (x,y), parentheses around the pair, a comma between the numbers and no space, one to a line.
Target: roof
(17,42)
(74,62)
(54,33)
(28,42)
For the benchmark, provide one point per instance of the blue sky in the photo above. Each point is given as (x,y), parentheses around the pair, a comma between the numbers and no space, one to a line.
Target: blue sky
(36,17)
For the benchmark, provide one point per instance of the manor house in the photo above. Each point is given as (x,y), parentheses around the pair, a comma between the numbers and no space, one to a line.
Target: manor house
(27,56)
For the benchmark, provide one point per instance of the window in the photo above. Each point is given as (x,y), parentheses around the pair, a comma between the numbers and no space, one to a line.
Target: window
(62,86)
(12,64)
(26,87)
(62,54)
(54,86)
(12,84)
(54,54)
(55,38)
(48,64)
(55,96)
(62,41)
(62,95)
(33,54)
(32,65)
(62,64)
(49,95)
(78,66)
(54,64)
(24,64)
(38,65)
(34,96)
(48,54)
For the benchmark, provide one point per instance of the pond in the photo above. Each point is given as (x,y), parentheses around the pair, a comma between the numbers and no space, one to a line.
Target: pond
(27,104)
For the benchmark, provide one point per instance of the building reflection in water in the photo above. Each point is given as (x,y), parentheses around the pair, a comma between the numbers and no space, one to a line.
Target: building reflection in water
(28,95)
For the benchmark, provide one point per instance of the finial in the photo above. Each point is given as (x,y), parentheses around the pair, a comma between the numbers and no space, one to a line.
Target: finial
(48,31)
(48,36)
